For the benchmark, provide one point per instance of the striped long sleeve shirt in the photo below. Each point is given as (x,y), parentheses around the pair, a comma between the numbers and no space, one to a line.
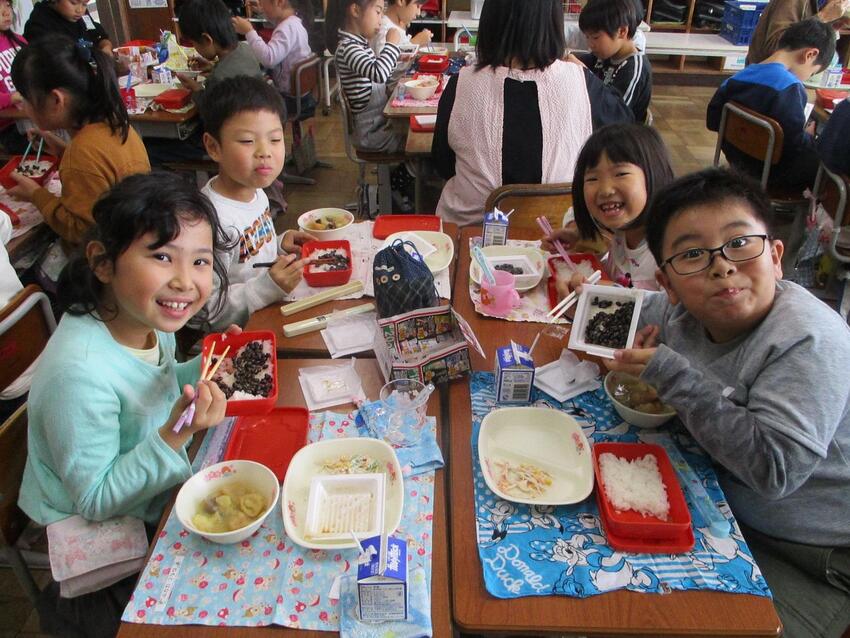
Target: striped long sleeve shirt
(631,77)
(358,67)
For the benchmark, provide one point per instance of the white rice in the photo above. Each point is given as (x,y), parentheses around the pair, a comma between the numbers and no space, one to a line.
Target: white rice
(635,485)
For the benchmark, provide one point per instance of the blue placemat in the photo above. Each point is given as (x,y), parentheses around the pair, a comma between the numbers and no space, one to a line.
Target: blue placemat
(543,550)
(266,579)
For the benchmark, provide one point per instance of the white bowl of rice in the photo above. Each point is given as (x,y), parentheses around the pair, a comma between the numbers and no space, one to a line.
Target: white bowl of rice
(635,401)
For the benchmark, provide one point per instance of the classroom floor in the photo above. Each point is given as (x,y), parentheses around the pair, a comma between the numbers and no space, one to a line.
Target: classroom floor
(679,115)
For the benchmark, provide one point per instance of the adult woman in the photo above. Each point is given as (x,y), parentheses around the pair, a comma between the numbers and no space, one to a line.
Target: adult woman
(521,115)
(781,14)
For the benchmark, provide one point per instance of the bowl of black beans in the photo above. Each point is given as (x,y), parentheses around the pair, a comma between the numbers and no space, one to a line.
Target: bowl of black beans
(605,319)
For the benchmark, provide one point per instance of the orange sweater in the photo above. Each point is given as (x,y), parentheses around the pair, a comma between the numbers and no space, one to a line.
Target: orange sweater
(93,161)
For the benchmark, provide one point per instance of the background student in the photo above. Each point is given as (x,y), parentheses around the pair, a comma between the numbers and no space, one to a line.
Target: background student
(781,14)
(243,124)
(617,172)
(67,85)
(108,391)
(289,44)
(51,18)
(610,27)
(756,368)
(398,16)
(521,114)
(774,88)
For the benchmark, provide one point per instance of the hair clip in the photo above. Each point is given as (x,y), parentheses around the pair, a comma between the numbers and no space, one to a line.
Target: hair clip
(84,50)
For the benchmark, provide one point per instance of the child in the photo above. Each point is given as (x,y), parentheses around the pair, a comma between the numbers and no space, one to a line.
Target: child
(287,46)
(243,123)
(67,85)
(774,88)
(107,391)
(10,43)
(610,27)
(617,171)
(363,75)
(756,368)
(832,143)
(398,16)
(207,25)
(50,18)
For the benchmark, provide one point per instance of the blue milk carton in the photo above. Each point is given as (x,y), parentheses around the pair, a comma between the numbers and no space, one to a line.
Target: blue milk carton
(495,231)
(514,374)
(382,580)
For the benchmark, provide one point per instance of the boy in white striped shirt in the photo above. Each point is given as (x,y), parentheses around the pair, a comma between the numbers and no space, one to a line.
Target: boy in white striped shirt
(610,26)
(350,24)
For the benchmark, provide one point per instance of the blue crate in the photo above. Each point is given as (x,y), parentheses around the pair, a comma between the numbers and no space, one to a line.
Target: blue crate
(740,19)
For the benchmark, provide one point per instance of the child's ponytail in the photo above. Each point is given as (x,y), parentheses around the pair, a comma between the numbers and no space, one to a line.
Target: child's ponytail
(86,73)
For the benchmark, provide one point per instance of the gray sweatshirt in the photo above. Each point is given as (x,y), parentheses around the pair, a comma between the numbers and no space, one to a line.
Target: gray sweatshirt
(240,61)
(772,408)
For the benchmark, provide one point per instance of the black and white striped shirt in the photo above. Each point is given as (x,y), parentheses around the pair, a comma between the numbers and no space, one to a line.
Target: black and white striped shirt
(631,76)
(358,67)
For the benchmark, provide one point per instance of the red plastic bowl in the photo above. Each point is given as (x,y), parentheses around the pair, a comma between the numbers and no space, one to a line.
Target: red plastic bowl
(331,278)
(245,407)
(386,225)
(631,524)
(552,289)
(433,63)
(5,173)
(271,439)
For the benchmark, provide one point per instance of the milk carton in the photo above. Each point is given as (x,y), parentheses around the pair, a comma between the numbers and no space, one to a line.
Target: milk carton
(495,231)
(382,580)
(514,374)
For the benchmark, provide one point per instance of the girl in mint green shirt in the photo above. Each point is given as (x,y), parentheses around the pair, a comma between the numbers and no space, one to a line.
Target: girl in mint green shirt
(107,391)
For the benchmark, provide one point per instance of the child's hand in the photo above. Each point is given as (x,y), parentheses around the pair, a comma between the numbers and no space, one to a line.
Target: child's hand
(634,360)
(567,286)
(25,187)
(210,405)
(287,271)
(833,10)
(568,237)
(293,240)
(393,36)
(16,98)
(423,37)
(811,128)
(233,330)
(190,83)
(242,25)
(198,63)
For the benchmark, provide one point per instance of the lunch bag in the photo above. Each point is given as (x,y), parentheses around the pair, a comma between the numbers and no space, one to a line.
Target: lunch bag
(402,280)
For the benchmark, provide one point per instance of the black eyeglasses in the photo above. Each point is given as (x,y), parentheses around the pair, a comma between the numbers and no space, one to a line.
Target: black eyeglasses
(694,260)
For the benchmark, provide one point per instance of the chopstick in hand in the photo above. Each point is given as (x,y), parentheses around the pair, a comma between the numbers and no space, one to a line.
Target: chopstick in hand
(567,302)
(206,375)
(264,264)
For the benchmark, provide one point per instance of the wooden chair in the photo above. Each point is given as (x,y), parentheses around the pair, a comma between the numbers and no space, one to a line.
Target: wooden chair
(832,191)
(530,201)
(13,447)
(26,324)
(761,138)
(360,157)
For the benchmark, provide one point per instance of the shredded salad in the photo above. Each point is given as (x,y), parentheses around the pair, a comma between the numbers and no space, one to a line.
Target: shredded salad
(522,479)
(351,464)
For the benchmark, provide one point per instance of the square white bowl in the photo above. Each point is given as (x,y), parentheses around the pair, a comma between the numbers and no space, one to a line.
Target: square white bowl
(339,504)
(585,312)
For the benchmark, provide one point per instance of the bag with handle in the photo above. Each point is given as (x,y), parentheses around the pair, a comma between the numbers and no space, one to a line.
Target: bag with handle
(402,280)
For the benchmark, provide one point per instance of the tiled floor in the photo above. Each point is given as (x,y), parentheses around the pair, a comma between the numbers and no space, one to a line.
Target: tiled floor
(679,114)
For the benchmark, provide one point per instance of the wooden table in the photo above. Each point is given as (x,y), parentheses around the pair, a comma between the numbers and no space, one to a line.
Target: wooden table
(312,344)
(290,394)
(620,613)
(404,112)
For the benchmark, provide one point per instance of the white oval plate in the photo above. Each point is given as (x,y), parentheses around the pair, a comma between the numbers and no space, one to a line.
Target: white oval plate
(436,261)
(546,438)
(523,282)
(307,463)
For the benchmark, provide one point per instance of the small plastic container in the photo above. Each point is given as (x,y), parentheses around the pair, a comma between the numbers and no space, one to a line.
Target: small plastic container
(5,173)
(585,311)
(173,98)
(245,407)
(530,276)
(632,524)
(386,225)
(344,503)
(331,277)
(271,439)
(432,63)
(129,97)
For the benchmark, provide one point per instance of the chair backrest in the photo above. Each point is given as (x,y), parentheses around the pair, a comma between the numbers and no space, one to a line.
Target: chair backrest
(26,324)
(530,201)
(13,451)
(752,133)
(305,79)
(833,191)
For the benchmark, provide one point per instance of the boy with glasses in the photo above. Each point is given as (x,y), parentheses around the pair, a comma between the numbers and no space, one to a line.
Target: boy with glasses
(757,369)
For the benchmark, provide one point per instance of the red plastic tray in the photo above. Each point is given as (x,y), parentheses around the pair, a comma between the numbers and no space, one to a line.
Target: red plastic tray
(139,43)
(386,225)
(271,439)
(433,63)
(677,545)
(631,524)
(827,98)
(552,289)
(251,406)
(5,173)
(418,128)
(332,278)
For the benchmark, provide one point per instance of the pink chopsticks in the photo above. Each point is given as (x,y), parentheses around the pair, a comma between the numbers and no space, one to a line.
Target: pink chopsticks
(206,374)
